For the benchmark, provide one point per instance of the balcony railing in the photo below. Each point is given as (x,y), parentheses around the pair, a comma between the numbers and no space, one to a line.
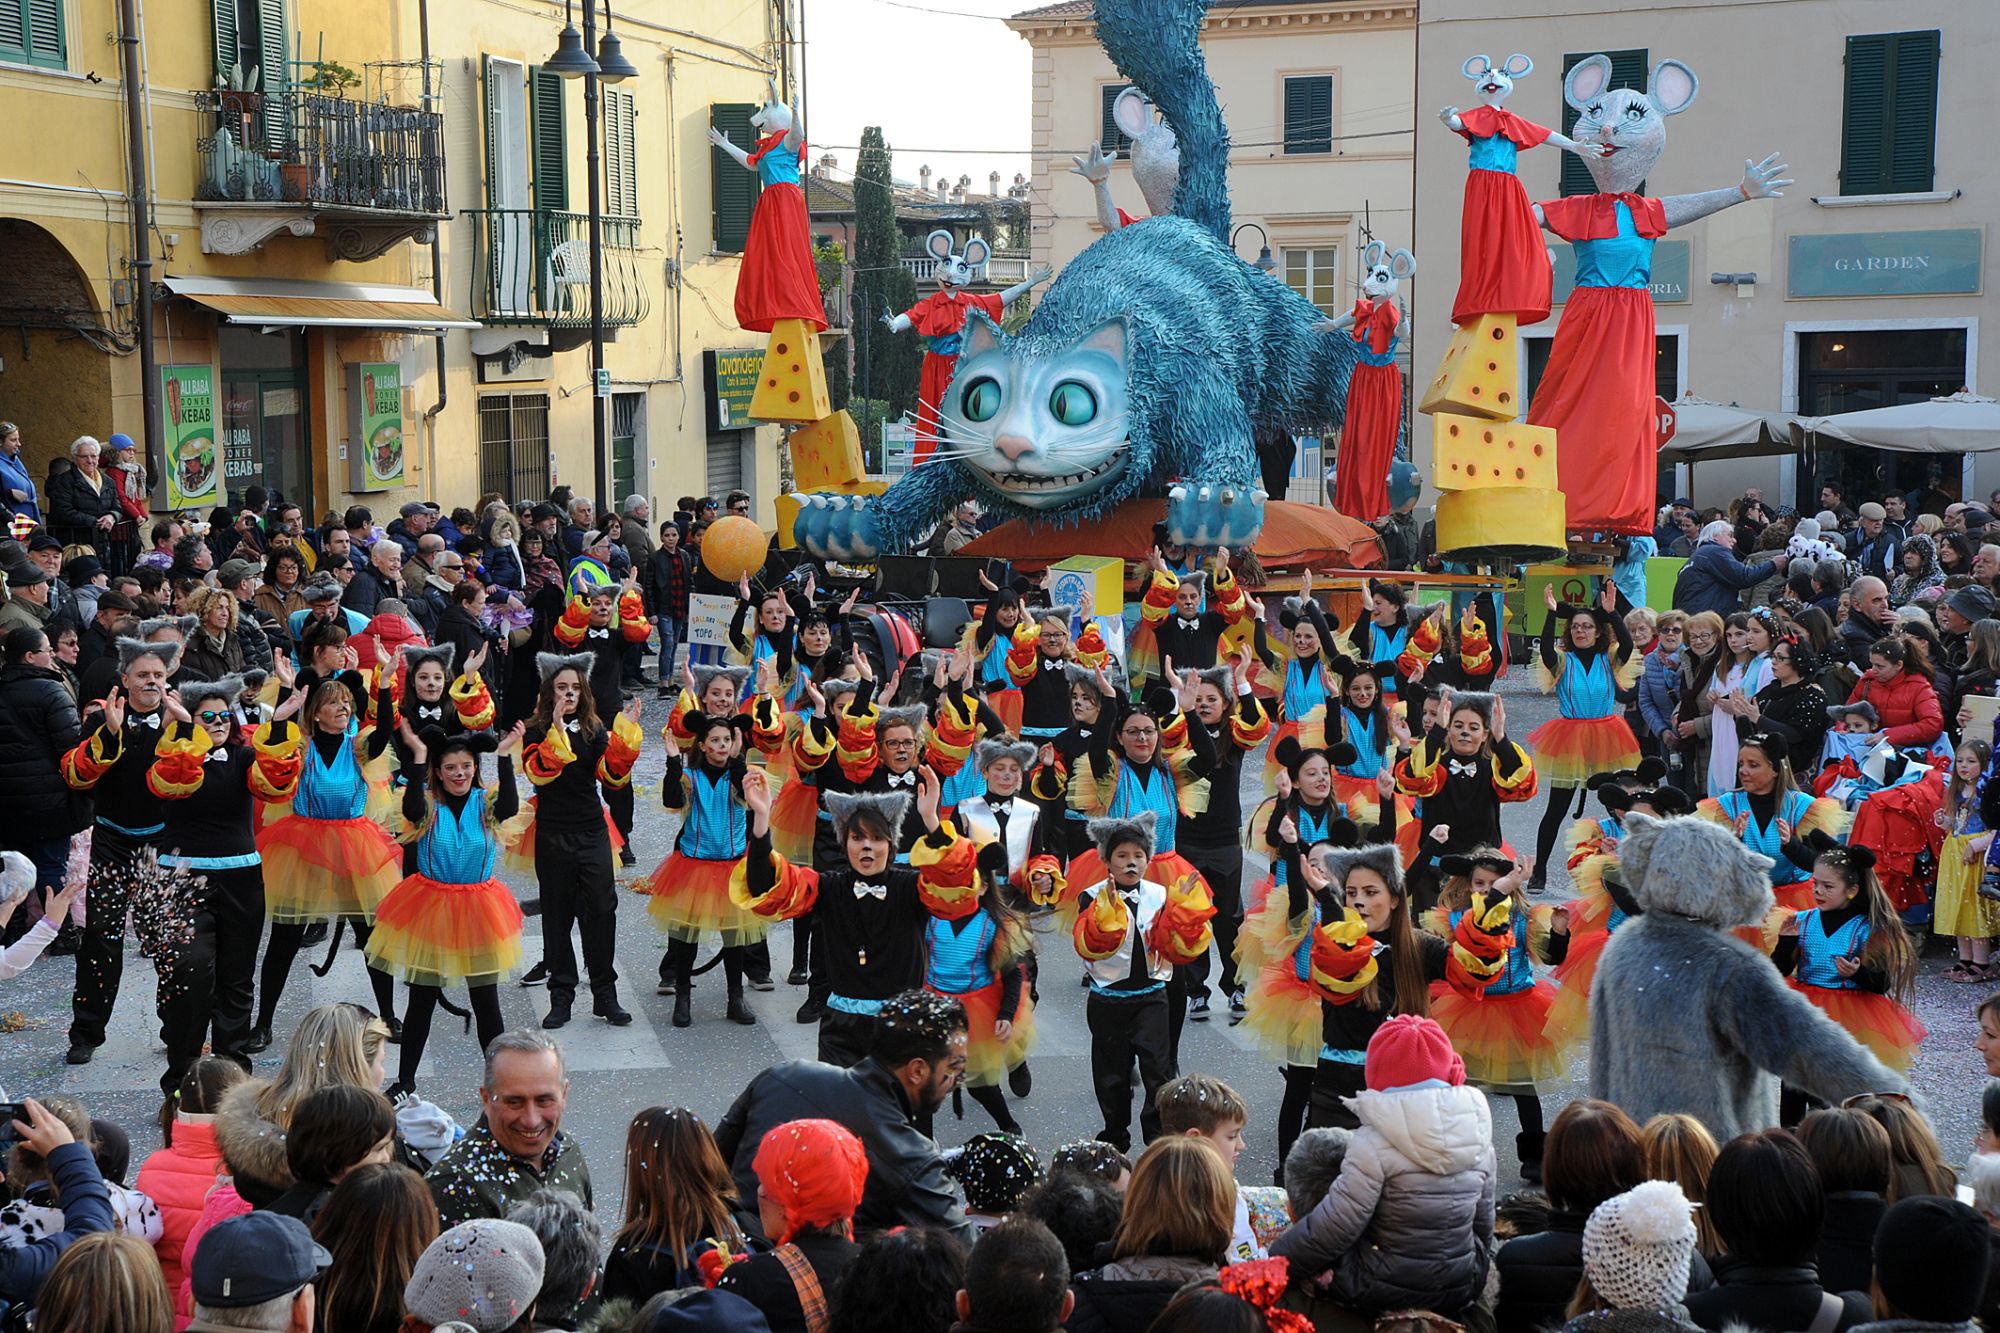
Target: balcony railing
(533,267)
(331,152)
(1000,271)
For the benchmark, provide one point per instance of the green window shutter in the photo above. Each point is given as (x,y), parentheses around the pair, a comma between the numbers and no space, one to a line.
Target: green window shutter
(621,170)
(31,31)
(491,116)
(628,162)
(1309,114)
(1913,138)
(549,162)
(274,52)
(223,12)
(1888,142)
(1113,139)
(735,189)
(1865,118)
(1628,70)
(14,29)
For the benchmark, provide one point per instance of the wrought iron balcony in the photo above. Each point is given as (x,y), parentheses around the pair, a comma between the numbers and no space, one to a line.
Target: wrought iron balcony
(1001,270)
(533,267)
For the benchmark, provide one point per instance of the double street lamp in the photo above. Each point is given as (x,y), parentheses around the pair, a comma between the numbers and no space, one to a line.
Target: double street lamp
(573,60)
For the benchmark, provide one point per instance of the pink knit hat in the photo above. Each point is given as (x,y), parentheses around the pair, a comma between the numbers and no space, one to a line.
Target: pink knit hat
(1407,1050)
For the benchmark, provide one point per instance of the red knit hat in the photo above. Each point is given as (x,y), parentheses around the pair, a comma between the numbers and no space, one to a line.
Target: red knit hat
(1407,1050)
(814,1170)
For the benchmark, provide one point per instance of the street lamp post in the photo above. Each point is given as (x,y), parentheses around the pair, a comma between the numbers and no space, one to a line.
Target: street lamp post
(572,60)
(1265,264)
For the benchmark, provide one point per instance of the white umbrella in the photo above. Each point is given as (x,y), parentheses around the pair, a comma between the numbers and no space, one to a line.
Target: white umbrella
(1964,423)
(1703,429)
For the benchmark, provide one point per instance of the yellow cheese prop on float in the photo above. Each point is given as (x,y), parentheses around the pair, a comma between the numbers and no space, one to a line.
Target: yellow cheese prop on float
(792,384)
(1468,454)
(827,453)
(1519,522)
(1481,372)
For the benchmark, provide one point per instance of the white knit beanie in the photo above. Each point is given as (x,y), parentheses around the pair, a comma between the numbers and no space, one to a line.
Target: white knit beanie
(1637,1247)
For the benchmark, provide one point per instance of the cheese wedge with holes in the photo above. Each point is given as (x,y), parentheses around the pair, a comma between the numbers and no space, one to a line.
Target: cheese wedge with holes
(1481,372)
(1501,523)
(826,454)
(1469,454)
(792,384)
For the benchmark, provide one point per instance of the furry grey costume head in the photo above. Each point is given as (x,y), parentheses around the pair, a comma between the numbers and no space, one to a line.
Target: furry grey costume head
(837,689)
(181,625)
(988,753)
(909,715)
(1194,578)
(1066,614)
(1479,701)
(1382,858)
(131,650)
(1084,676)
(548,664)
(1109,834)
(415,655)
(1694,868)
(704,676)
(194,693)
(892,806)
(320,588)
(1222,677)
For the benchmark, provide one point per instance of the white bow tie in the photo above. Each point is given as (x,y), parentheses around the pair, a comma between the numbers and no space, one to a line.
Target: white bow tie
(598,634)
(908,779)
(153,721)
(879,892)
(570,726)
(1465,768)
(1002,806)
(430,712)
(1188,624)
(219,755)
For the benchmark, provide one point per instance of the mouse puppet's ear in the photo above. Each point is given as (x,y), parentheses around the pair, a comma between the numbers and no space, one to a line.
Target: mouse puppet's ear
(1673,87)
(1373,253)
(1402,265)
(1517,65)
(1476,67)
(938,244)
(977,252)
(1586,82)
(1132,111)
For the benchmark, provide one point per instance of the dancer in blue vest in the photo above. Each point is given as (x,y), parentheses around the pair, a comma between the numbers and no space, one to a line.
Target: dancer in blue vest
(1382,635)
(1774,818)
(1589,734)
(976,951)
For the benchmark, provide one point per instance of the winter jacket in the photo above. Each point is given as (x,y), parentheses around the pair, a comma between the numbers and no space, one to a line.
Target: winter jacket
(1127,1295)
(1713,579)
(426,605)
(502,566)
(75,506)
(1908,707)
(20,613)
(180,1179)
(1539,1272)
(1659,691)
(1409,1220)
(1674,1320)
(1857,635)
(14,477)
(212,659)
(86,1208)
(906,1183)
(763,1280)
(479,1178)
(384,637)
(278,603)
(1796,714)
(1768,1300)
(367,589)
(38,725)
(669,577)
(465,632)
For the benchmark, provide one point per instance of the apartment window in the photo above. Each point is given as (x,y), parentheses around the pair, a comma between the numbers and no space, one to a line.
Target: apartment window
(251,37)
(514,445)
(1888,140)
(31,32)
(1311,273)
(1628,70)
(621,157)
(1112,139)
(734,190)
(1309,113)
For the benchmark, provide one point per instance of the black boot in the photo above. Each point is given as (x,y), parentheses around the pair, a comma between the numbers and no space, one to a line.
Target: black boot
(683,1008)
(739,1012)
(1529,1148)
(1020,1080)
(258,1040)
(606,1007)
(559,1007)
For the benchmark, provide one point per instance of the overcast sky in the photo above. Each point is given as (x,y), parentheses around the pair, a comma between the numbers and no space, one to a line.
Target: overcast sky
(948,91)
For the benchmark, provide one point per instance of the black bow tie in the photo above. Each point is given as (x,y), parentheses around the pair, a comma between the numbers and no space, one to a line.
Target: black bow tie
(908,779)
(1462,768)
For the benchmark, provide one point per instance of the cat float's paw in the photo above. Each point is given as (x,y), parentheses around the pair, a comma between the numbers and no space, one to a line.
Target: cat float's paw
(840,528)
(1208,514)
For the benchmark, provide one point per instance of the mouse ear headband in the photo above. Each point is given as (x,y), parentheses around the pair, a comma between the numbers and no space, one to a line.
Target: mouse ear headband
(1830,849)
(1665,801)
(1482,857)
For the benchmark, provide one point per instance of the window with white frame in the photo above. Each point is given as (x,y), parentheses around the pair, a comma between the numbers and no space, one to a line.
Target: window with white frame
(1312,272)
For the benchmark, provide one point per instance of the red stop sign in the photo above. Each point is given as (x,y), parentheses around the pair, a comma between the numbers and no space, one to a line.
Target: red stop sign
(1664,420)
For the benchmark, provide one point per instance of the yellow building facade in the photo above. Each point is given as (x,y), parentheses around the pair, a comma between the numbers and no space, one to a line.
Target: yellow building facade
(374,264)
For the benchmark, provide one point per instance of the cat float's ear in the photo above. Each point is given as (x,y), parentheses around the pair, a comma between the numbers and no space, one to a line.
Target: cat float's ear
(981,335)
(1108,338)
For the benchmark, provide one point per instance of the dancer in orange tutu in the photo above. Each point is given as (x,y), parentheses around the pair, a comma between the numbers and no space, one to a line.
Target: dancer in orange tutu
(1849,954)
(1589,735)
(1308,687)
(976,950)
(449,920)
(1501,1032)
(326,858)
(1774,818)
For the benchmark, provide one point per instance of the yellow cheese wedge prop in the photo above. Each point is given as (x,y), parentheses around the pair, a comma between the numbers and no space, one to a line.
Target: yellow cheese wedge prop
(1501,523)
(1481,372)
(827,453)
(1469,454)
(792,384)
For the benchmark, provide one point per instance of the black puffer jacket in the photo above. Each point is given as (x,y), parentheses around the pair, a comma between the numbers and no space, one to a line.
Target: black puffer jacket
(1538,1275)
(38,725)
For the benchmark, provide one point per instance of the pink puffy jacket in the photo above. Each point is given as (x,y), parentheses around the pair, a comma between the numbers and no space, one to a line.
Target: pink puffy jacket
(179,1179)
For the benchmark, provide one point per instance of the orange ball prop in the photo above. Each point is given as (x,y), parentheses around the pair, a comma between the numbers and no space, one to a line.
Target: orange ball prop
(733,547)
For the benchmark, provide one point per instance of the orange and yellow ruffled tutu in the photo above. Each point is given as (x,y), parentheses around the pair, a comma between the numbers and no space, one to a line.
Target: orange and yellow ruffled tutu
(1568,1019)
(988,1060)
(320,868)
(436,934)
(1361,798)
(1889,1031)
(1794,897)
(517,837)
(1503,1039)
(1282,1012)
(1568,750)
(690,898)
(1007,705)
(794,821)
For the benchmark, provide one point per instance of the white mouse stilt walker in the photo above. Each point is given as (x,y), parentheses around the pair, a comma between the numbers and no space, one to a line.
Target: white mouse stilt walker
(1375,391)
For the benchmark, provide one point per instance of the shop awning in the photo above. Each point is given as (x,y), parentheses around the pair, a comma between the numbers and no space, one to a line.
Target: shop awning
(292,303)
(1963,423)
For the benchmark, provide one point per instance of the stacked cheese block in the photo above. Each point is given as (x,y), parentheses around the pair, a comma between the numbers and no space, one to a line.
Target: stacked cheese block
(1500,498)
(826,446)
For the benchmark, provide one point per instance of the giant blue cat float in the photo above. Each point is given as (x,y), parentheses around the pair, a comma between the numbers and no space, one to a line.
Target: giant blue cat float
(1145,371)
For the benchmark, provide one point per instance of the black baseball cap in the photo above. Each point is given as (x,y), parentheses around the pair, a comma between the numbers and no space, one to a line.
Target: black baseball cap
(43,541)
(254,1258)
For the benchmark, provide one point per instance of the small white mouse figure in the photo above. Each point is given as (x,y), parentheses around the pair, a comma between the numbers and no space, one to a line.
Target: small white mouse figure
(1503,265)
(1156,161)
(777,280)
(1375,389)
(940,320)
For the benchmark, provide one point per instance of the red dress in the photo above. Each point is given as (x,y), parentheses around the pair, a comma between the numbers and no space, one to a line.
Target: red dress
(777,279)
(1374,414)
(939,320)
(1502,263)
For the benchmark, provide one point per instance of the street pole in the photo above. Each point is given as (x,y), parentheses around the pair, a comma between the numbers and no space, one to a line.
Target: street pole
(142,233)
(599,449)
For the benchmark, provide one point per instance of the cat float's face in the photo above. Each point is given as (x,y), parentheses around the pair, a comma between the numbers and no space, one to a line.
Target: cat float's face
(1632,123)
(1039,430)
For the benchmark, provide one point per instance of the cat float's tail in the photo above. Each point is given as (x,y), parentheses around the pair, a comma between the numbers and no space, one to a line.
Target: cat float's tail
(1156,44)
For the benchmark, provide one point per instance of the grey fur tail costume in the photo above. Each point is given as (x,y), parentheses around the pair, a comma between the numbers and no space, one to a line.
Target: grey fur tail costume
(1684,1016)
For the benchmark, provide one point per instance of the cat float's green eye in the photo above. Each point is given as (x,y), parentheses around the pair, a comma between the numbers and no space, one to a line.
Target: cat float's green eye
(982,399)
(1073,404)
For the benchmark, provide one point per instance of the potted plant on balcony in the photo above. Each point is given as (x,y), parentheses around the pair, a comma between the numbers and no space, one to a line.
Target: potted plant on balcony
(330,76)
(237,96)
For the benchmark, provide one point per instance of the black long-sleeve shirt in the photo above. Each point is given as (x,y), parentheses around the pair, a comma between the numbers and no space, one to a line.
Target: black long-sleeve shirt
(873,947)
(120,795)
(215,819)
(1220,824)
(569,802)
(1348,1027)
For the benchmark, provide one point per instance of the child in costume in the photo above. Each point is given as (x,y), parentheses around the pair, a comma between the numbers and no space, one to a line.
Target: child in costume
(1158,763)
(1307,688)
(1743,669)
(209,773)
(603,626)
(1384,634)
(568,753)
(1774,818)
(976,950)
(1589,734)
(1095,703)
(1463,771)
(1364,726)
(1501,1031)
(326,858)
(450,921)
(776,632)
(1961,910)
(423,695)
(690,890)
(1131,931)
(1226,708)
(871,914)
(991,636)
(1003,816)
(1850,955)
